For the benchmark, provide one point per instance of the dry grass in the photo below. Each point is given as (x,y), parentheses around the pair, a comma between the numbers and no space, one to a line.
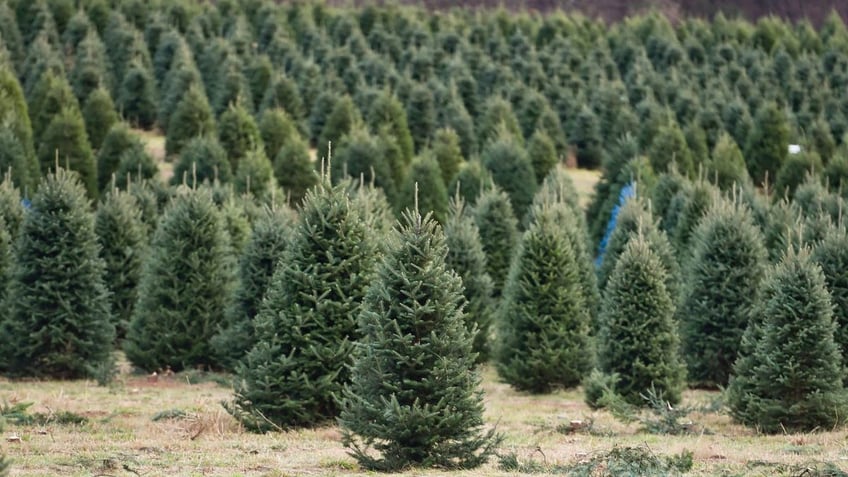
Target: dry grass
(584,181)
(121,439)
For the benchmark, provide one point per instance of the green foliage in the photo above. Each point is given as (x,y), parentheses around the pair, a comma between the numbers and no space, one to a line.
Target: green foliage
(13,159)
(497,116)
(669,146)
(341,121)
(767,144)
(137,95)
(276,129)
(448,154)
(789,374)
(543,155)
(638,338)
(306,326)
(90,67)
(135,165)
(544,321)
(471,180)
(99,114)
(14,114)
(11,210)
(585,135)
(191,118)
(726,167)
(65,138)
(238,133)
(263,251)
(202,159)
(117,141)
(832,256)
(51,95)
(498,233)
(282,93)
(794,171)
(720,288)
(387,112)
(424,188)
(58,323)
(512,171)
(255,174)
(123,242)
(182,76)
(360,154)
(421,115)
(414,309)
(184,288)
(693,205)
(294,169)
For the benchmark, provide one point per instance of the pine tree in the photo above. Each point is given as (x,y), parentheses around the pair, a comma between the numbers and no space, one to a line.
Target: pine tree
(638,338)
(788,377)
(414,309)
(123,241)
(255,174)
(793,172)
(720,285)
(586,136)
(498,232)
(51,95)
(497,117)
(276,129)
(448,154)
(541,151)
(90,67)
(306,326)
(14,159)
(58,322)
(11,209)
(135,165)
(767,143)
(294,169)
(669,146)
(191,118)
(512,171)
(184,287)
(238,133)
(137,96)
(118,140)
(726,167)
(202,159)
(471,180)
(66,139)
(359,153)
(832,256)
(421,115)
(99,115)
(14,114)
(182,76)
(544,321)
(424,185)
(341,121)
(282,93)
(467,258)
(387,112)
(264,250)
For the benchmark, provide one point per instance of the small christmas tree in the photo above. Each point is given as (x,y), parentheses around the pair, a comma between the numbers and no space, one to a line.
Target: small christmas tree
(638,337)
(543,155)
(832,255)
(498,232)
(117,141)
(467,258)
(99,115)
(425,180)
(238,133)
(471,180)
(58,323)
(66,139)
(768,143)
(294,169)
(727,166)
(14,159)
(202,159)
(306,326)
(191,118)
(789,374)
(544,321)
(720,286)
(277,130)
(137,96)
(184,288)
(255,174)
(512,171)
(264,250)
(123,243)
(414,367)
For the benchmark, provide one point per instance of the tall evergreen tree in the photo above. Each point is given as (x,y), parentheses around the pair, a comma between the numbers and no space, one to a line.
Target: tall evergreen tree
(255,174)
(276,129)
(118,140)
(726,167)
(238,133)
(294,169)
(66,139)
(123,242)
(512,171)
(99,115)
(184,287)
(191,118)
(58,323)
(424,184)
(542,153)
(14,114)
(832,256)
(544,321)
(137,95)
(13,159)
(202,159)
(720,286)
(306,326)
(498,232)
(341,121)
(388,112)
(767,143)
(414,309)
(421,115)
(788,377)
(585,135)
(471,180)
(264,250)
(359,153)
(448,153)
(467,258)
(669,146)
(638,339)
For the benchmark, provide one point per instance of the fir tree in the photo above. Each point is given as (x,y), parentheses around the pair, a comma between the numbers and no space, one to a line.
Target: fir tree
(720,285)
(11,209)
(832,256)
(788,377)
(447,153)
(387,112)
(638,338)
(497,117)
(424,185)
(767,143)
(183,75)
(669,146)
(264,250)
(421,115)
(276,129)
(414,309)
(99,115)
(90,67)
(471,180)
(123,242)
(361,154)
(191,118)
(585,135)
(255,174)
(184,287)
(58,322)
(467,258)
(498,232)
(13,159)
(51,95)
(66,139)
(726,167)
(137,96)
(282,93)
(135,165)
(793,172)
(294,169)
(14,114)
(202,159)
(117,141)
(512,171)
(306,326)
(238,133)
(541,151)
(544,321)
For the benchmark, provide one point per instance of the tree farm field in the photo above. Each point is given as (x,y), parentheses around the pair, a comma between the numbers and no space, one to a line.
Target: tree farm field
(194,435)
